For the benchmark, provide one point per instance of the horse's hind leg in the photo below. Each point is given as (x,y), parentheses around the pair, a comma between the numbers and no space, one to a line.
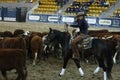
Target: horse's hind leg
(77,62)
(96,70)
(102,65)
(109,67)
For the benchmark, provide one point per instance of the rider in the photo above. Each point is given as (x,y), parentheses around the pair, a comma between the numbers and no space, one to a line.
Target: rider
(82,25)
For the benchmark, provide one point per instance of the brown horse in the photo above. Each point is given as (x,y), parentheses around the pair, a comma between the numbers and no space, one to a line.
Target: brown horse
(36,47)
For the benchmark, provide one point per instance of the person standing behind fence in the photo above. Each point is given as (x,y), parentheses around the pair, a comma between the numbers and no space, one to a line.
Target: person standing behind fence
(82,25)
(60,3)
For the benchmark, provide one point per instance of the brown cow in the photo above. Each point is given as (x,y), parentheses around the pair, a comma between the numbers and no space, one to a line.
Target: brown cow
(6,34)
(13,59)
(90,32)
(115,33)
(35,33)
(13,42)
(41,34)
(36,47)
(18,32)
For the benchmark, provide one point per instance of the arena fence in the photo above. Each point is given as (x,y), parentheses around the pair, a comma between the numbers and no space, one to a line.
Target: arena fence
(93,21)
(20,15)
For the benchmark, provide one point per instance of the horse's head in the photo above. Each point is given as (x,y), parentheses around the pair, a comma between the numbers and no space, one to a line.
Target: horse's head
(51,36)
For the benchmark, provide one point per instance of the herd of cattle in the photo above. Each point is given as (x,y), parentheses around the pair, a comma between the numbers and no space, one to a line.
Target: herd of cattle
(20,45)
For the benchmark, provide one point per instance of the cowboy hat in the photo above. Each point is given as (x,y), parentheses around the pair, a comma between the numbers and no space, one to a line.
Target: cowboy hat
(80,14)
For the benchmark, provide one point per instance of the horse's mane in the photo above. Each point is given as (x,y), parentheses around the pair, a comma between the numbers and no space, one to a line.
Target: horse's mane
(63,32)
(62,36)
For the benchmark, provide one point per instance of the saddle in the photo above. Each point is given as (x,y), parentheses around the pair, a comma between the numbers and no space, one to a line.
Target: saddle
(86,42)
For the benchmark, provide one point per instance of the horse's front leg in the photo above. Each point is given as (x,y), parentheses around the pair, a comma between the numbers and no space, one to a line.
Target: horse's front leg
(65,61)
(77,62)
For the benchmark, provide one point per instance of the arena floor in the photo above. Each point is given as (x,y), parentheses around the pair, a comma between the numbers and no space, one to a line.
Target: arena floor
(42,27)
(49,70)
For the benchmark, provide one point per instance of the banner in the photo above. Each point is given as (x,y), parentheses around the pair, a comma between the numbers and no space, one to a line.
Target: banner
(67,19)
(34,17)
(115,22)
(43,18)
(105,22)
(91,20)
(9,14)
(53,18)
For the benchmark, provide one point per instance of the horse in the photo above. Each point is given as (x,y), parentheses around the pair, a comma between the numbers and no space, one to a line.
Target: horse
(59,41)
(52,49)
(102,50)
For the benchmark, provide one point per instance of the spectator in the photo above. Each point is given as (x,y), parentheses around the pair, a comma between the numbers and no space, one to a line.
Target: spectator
(92,1)
(60,2)
(39,2)
(68,9)
(98,1)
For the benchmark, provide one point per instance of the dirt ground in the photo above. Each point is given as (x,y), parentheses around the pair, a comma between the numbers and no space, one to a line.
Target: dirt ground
(49,70)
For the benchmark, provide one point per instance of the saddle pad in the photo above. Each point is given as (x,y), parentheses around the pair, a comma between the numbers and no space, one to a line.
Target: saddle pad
(87,43)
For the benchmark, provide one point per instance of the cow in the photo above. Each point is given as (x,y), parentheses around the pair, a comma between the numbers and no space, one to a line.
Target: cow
(6,34)
(13,59)
(91,32)
(36,47)
(18,32)
(13,42)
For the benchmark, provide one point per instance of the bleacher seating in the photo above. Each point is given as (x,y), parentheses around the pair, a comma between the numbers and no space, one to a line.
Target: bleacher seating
(116,13)
(47,7)
(9,1)
(111,1)
(77,6)
(32,1)
(96,9)
(91,8)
